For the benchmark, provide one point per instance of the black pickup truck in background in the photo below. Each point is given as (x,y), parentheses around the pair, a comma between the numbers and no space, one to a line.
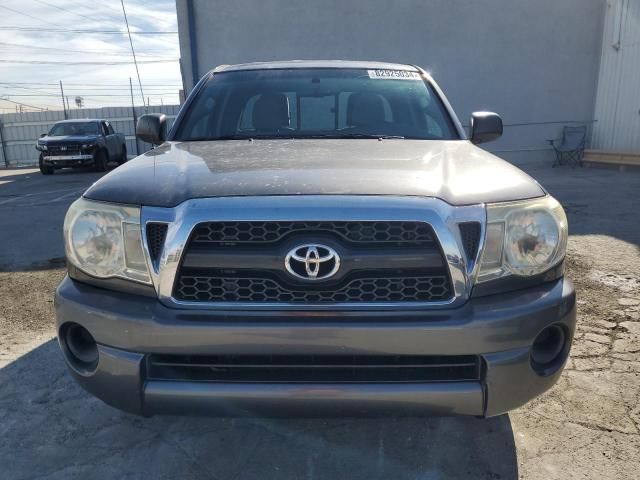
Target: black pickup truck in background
(76,143)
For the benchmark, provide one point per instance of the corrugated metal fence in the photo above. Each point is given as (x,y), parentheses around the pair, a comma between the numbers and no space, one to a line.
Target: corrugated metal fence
(618,99)
(19,131)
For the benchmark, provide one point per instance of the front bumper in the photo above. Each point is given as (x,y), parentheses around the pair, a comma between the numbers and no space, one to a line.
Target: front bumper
(67,160)
(499,328)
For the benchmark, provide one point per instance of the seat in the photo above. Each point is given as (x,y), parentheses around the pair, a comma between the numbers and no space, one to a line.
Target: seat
(271,112)
(570,148)
(365,111)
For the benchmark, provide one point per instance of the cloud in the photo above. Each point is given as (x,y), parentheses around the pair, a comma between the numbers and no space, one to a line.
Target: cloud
(99,85)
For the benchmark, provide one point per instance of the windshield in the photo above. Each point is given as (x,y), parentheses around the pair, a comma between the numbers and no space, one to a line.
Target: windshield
(74,128)
(316,103)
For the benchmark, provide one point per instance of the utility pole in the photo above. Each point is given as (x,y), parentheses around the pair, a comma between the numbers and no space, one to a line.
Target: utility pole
(68,103)
(3,150)
(133,112)
(133,53)
(63,106)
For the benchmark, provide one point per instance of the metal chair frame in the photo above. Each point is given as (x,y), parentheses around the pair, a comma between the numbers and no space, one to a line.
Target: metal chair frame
(569,149)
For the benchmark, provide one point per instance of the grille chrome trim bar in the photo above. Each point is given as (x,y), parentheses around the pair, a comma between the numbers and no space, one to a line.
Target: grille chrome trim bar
(442,217)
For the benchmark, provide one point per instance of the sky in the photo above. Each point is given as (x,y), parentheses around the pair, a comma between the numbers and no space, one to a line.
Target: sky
(26,43)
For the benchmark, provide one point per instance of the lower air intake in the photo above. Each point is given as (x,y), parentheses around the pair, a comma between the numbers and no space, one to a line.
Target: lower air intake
(314,368)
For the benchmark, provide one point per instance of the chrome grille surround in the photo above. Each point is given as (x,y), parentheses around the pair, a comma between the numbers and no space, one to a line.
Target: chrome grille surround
(442,218)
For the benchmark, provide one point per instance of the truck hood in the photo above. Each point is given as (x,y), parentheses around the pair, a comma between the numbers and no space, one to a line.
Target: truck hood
(67,139)
(455,171)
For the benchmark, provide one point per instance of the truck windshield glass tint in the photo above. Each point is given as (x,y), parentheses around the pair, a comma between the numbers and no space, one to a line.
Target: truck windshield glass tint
(316,103)
(74,128)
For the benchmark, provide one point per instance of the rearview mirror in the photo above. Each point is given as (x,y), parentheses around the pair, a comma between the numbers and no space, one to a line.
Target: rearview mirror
(43,135)
(152,128)
(485,127)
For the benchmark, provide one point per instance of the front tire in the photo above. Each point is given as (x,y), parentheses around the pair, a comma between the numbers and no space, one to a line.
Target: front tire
(44,169)
(100,161)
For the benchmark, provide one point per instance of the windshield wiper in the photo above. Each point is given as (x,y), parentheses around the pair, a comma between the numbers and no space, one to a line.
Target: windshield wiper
(353,135)
(305,136)
(250,137)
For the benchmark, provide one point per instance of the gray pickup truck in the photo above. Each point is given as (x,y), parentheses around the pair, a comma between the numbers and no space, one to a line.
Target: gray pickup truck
(316,238)
(77,143)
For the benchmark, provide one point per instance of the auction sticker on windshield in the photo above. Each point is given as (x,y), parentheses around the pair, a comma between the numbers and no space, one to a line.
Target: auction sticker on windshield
(395,74)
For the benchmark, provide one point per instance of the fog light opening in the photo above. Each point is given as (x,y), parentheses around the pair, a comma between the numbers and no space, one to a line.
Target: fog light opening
(80,347)
(549,349)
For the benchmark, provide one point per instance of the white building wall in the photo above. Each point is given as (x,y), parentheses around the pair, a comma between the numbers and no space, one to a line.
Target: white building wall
(617,111)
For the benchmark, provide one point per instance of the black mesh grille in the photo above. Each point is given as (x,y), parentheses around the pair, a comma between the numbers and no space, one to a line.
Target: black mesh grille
(244,261)
(156,233)
(433,287)
(470,233)
(314,368)
(358,232)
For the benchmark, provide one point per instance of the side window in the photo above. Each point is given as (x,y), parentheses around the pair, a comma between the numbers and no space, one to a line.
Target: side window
(317,113)
(103,128)
(433,127)
(430,116)
(246,118)
(343,98)
(109,128)
(202,119)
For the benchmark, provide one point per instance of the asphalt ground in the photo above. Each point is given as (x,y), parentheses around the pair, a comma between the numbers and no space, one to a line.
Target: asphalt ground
(587,426)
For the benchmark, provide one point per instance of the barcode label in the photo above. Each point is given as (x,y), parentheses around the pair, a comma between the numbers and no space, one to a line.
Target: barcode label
(394,74)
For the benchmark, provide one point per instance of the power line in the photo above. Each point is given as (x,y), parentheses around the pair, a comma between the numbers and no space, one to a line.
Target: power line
(83,90)
(112,9)
(85,95)
(68,11)
(94,54)
(20,103)
(22,13)
(93,84)
(102,32)
(43,62)
(70,50)
(133,52)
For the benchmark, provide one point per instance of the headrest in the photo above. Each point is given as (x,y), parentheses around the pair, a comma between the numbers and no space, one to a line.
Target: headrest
(271,111)
(365,109)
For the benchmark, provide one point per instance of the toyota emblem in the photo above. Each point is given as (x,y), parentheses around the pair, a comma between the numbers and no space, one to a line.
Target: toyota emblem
(312,262)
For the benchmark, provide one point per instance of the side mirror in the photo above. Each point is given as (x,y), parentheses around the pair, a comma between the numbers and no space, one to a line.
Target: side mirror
(152,128)
(43,135)
(485,127)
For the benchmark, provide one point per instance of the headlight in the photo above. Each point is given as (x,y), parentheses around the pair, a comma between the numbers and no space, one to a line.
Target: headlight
(523,238)
(41,146)
(86,146)
(104,240)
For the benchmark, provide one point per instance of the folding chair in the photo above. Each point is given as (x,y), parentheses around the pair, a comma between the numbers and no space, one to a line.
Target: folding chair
(570,148)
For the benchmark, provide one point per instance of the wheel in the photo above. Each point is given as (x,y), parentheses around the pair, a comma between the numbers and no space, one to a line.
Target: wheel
(44,169)
(100,161)
(123,157)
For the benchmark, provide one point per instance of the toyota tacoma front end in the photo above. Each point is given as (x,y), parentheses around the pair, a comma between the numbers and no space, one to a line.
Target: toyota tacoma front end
(316,238)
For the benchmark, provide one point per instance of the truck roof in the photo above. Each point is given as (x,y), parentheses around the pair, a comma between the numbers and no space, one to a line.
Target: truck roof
(315,64)
(83,120)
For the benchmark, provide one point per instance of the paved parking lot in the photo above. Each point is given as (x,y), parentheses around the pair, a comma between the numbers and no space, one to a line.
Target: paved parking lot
(585,427)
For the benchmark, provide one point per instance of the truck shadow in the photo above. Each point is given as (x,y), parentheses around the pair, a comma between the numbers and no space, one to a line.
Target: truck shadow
(52,428)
